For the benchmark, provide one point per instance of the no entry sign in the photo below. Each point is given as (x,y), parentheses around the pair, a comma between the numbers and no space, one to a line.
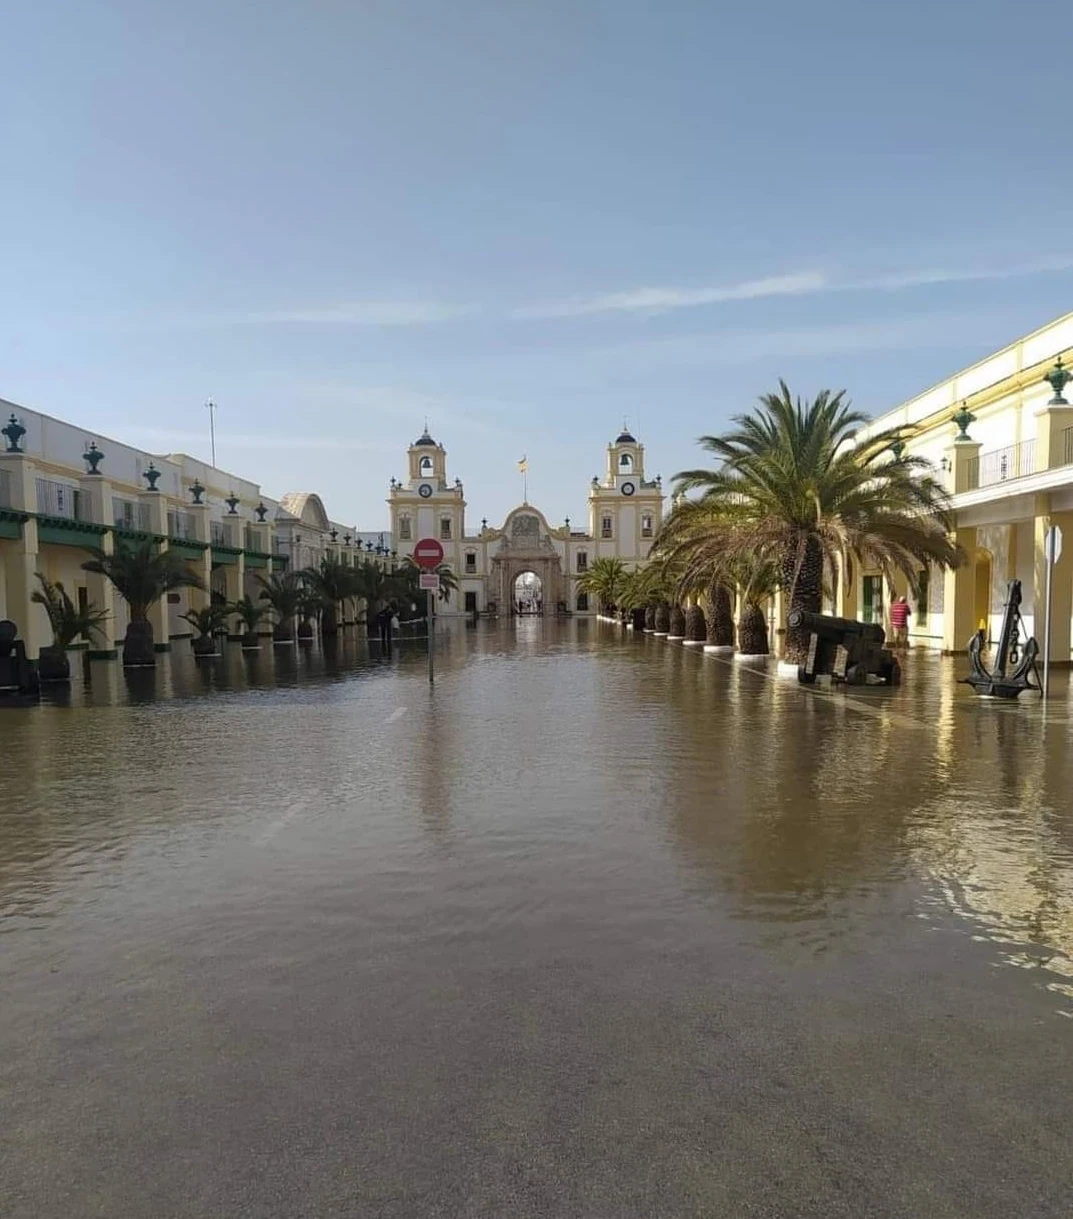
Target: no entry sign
(428,553)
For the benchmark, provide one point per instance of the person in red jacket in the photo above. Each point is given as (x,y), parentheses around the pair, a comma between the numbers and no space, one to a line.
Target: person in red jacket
(899,620)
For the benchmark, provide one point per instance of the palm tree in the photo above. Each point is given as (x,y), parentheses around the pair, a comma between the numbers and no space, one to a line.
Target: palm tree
(333,581)
(696,624)
(720,615)
(606,580)
(249,613)
(68,621)
(758,581)
(633,596)
(283,592)
(795,488)
(308,607)
(141,574)
(208,622)
(406,582)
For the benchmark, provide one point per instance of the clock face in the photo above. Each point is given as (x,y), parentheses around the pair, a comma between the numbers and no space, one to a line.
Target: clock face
(425,490)
(628,488)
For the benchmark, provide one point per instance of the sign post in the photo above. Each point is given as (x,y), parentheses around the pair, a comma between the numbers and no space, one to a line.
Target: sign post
(1052,548)
(428,555)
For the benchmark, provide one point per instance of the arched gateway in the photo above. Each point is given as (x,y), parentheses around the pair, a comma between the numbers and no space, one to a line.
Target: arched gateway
(526,546)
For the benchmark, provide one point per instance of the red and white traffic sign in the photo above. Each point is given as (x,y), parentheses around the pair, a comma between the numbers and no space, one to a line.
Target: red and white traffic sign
(428,553)
(429,582)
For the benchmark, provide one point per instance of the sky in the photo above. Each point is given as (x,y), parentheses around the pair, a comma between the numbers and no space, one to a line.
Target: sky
(527,220)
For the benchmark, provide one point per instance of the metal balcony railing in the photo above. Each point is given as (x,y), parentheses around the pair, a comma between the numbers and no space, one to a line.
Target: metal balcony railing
(181,526)
(1067,446)
(998,466)
(220,533)
(254,539)
(59,499)
(129,514)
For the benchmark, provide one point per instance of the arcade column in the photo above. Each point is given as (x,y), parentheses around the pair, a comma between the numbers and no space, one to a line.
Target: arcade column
(1062,582)
(20,566)
(959,595)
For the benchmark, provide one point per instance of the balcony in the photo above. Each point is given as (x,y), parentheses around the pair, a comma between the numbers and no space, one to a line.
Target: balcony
(59,500)
(220,534)
(1001,465)
(181,526)
(255,540)
(130,515)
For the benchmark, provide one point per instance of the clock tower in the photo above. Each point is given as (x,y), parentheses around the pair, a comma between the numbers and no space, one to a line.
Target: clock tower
(425,505)
(625,509)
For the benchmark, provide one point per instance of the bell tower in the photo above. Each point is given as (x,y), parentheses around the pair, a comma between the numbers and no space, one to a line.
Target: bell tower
(625,509)
(425,505)
(428,461)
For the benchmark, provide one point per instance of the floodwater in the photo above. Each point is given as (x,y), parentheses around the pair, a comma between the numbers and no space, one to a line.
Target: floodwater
(600,927)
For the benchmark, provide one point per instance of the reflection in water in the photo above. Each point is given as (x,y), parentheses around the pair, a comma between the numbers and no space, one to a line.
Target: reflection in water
(564,895)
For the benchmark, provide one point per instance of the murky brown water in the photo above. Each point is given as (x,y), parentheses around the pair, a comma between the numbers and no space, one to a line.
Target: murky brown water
(601,927)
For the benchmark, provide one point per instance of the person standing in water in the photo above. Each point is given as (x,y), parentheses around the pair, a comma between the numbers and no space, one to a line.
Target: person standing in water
(899,620)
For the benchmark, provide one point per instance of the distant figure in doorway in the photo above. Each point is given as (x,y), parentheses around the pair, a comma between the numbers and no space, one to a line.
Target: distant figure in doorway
(899,620)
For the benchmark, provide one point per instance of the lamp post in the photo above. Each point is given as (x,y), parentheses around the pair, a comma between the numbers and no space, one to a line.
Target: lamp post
(210,406)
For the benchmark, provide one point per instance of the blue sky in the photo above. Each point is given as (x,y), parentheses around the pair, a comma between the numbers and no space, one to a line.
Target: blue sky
(526,219)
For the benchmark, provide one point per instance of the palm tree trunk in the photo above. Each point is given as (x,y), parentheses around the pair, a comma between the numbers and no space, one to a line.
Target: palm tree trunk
(663,618)
(677,623)
(752,632)
(650,617)
(720,618)
(696,627)
(138,644)
(806,593)
(329,626)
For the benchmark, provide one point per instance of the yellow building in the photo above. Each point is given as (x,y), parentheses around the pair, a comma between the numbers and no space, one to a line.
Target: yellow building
(63,491)
(1001,434)
(527,562)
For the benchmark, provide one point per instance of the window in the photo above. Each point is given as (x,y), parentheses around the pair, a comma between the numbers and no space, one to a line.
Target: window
(583,560)
(625,463)
(872,607)
(583,603)
(471,603)
(646,525)
(445,529)
(404,529)
(922,597)
(605,527)
(471,561)
(425,466)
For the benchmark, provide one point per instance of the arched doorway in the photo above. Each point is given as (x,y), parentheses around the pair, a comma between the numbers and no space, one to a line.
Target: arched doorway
(528,594)
(982,593)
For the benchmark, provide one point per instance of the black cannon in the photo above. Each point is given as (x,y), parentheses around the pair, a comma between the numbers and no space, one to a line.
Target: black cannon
(18,676)
(1015,660)
(844,650)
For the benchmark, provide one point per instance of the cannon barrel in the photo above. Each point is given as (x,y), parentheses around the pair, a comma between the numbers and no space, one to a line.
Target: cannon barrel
(826,626)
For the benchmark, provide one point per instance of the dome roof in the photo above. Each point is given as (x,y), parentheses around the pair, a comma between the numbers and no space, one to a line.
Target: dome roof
(425,439)
(624,438)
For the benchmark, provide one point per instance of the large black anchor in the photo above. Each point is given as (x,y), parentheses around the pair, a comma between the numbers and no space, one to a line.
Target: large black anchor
(1015,660)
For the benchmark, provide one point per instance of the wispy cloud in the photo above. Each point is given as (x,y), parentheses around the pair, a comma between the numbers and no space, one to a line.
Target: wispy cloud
(651,301)
(663,300)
